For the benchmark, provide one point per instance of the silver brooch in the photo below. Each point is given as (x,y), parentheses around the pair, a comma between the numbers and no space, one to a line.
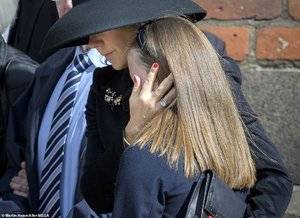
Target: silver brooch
(112,98)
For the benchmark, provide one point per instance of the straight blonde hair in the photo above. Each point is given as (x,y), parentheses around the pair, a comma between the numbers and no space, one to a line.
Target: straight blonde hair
(203,125)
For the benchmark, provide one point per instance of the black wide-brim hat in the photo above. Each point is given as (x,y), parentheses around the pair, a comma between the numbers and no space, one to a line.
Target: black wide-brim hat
(95,16)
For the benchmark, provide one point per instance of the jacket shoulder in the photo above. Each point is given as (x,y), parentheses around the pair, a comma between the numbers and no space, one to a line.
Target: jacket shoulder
(217,43)
(19,69)
(59,59)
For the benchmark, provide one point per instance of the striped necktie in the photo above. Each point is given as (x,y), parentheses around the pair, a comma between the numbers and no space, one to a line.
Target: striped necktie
(54,153)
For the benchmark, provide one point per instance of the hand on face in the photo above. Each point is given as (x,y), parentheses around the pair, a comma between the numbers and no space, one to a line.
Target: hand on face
(19,183)
(146,101)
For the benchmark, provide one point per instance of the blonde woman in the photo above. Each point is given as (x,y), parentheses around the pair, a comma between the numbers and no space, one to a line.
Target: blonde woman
(112,27)
(201,130)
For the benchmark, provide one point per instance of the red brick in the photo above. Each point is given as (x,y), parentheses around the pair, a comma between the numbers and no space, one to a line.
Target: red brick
(281,43)
(294,9)
(236,39)
(242,9)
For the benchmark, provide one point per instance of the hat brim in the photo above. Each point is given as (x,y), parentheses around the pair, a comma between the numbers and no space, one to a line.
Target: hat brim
(96,16)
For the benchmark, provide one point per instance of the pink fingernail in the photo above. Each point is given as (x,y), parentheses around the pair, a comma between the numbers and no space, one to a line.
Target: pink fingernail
(155,66)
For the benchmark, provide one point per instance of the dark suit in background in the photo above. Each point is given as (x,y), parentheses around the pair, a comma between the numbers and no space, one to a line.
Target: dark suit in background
(34,19)
(47,76)
(36,98)
(16,74)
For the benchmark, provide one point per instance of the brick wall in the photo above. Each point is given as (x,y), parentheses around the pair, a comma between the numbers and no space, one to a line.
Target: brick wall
(256,30)
(264,37)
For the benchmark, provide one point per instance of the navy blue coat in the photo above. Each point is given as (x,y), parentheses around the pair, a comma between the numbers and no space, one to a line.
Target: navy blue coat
(148,187)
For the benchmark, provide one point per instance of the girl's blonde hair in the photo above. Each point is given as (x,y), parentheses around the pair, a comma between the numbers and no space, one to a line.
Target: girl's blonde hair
(204,125)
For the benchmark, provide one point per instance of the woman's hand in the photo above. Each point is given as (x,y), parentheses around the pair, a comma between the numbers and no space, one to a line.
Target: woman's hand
(145,102)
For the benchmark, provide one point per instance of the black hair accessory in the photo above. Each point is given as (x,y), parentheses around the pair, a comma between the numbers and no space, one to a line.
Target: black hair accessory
(141,35)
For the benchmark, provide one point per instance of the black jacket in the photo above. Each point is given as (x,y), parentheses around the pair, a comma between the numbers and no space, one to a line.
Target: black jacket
(16,73)
(46,78)
(34,19)
(268,198)
(36,98)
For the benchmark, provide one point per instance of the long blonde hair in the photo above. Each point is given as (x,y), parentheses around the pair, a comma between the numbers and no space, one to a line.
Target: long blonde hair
(203,125)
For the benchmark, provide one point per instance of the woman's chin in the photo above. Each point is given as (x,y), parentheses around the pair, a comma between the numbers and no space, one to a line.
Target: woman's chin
(118,66)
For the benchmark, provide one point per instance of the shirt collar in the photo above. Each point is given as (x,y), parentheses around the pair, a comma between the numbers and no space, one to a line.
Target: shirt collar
(97,59)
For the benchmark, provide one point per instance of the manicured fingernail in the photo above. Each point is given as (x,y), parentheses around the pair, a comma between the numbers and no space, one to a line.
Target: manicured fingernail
(155,66)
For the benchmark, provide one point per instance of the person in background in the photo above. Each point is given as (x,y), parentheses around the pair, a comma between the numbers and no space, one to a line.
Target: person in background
(33,20)
(16,74)
(55,130)
(8,11)
(112,29)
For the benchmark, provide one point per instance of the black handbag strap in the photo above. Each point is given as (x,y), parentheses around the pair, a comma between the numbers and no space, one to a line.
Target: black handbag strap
(212,196)
(198,199)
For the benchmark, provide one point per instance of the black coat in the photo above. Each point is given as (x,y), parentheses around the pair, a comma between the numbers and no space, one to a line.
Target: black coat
(46,78)
(16,74)
(270,195)
(34,19)
(25,131)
